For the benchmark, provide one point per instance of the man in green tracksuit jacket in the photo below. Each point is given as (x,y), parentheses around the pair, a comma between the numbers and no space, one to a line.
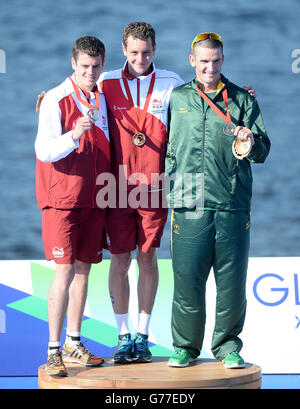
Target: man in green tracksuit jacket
(210,192)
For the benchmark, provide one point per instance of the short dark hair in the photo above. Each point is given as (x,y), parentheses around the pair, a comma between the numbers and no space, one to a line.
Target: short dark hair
(140,30)
(91,46)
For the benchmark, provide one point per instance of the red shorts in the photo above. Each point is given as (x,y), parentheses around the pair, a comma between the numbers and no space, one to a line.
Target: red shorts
(71,234)
(130,227)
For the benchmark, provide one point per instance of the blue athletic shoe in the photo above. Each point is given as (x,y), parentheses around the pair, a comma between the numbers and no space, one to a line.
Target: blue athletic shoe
(123,353)
(141,352)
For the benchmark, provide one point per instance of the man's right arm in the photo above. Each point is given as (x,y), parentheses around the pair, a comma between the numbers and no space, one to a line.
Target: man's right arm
(50,144)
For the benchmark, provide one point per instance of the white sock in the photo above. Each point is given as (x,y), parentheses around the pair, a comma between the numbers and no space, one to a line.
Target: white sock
(143,325)
(72,338)
(122,323)
(53,346)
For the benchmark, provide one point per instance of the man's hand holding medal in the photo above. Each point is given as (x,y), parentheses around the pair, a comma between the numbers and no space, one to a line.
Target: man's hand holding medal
(84,123)
(243,142)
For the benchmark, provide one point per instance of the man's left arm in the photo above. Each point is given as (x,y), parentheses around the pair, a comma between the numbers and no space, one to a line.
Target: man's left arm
(254,121)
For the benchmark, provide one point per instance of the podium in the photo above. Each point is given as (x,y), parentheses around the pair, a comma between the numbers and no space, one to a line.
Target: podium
(200,374)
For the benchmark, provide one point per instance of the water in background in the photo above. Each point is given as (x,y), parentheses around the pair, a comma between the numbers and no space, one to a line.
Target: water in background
(259,37)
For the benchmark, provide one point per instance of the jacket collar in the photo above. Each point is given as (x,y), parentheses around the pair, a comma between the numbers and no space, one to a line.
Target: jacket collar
(87,94)
(223,82)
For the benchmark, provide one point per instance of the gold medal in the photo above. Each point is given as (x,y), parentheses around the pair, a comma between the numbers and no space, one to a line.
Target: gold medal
(139,139)
(240,149)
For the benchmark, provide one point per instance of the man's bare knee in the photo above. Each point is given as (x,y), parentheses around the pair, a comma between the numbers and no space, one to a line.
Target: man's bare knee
(147,262)
(121,262)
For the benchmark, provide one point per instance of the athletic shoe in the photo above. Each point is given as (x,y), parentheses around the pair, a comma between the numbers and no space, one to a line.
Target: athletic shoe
(55,365)
(234,360)
(80,355)
(180,358)
(141,352)
(123,353)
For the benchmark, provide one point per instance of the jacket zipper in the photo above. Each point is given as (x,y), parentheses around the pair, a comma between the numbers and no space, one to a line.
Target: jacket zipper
(203,141)
(203,129)
(138,150)
(94,152)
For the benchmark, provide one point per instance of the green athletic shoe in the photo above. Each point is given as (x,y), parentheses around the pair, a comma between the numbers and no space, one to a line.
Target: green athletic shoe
(234,360)
(180,358)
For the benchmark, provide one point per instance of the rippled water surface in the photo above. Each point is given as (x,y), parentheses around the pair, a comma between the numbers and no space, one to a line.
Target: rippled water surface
(259,38)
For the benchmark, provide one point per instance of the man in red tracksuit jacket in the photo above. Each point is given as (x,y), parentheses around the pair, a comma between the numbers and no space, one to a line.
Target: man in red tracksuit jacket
(72,149)
(137,99)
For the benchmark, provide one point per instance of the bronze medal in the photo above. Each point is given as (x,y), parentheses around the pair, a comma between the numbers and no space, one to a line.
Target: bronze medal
(240,149)
(139,139)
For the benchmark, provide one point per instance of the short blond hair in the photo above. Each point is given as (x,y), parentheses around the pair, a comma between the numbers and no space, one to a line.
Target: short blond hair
(208,43)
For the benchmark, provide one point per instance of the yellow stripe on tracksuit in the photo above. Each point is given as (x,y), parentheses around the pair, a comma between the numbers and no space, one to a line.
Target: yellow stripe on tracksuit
(172,220)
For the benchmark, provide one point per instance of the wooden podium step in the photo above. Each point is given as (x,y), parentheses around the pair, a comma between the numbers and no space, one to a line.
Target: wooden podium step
(201,374)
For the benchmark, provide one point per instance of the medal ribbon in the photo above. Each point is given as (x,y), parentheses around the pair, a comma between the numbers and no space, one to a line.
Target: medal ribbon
(85,103)
(226,117)
(139,114)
